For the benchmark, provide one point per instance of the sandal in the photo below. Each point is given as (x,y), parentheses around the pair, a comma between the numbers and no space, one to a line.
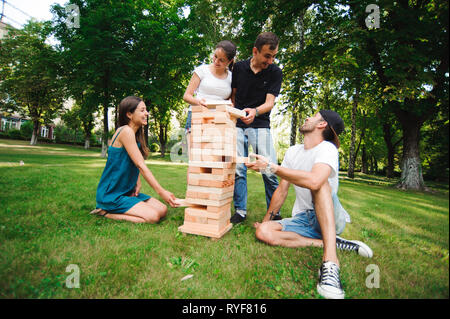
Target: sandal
(99,212)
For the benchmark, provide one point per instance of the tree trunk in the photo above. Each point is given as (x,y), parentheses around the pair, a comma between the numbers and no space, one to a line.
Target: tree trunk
(364,162)
(162,139)
(387,135)
(294,125)
(352,157)
(146,127)
(87,140)
(34,136)
(411,177)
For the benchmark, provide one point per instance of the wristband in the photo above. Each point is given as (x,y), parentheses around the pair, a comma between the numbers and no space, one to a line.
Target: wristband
(257,113)
(270,169)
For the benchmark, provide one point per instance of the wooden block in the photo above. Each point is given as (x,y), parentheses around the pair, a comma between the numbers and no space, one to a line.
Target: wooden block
(234,112)
(218,209)
(209,164)
(212,190)
(225,183)
(220,196)
(193,181)
(195,218)
(194,169)
(205,202)
(240,160)
(215,103)
(212,158)
(191,194)
(224,120)
(181,202)
(213,234)
(210,215)
(223,171)
(211,177)
(197,121)
(220,223)
(199,108)
(202,115)
(221,117)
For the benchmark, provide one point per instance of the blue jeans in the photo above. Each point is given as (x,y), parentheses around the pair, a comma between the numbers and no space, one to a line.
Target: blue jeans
(261,141)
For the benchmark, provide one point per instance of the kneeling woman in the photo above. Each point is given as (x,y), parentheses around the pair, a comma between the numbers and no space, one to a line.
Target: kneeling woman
(118,195)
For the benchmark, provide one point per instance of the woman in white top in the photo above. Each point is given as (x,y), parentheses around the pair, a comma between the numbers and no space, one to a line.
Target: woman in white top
(211,81)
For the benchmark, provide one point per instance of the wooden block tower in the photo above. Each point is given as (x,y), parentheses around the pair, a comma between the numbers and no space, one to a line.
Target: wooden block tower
(212,165)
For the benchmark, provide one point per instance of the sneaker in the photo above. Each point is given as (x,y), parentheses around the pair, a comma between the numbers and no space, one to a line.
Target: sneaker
(354,245)
(237,218)
(329,285)
(277,216)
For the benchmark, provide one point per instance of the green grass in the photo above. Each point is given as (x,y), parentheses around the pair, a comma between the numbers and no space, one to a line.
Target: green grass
(45,226)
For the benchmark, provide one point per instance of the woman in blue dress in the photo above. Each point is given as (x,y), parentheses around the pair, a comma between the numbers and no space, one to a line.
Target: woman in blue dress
(118,192)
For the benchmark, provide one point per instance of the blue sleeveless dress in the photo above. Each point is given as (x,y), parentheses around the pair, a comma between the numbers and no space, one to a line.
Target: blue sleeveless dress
(118,181)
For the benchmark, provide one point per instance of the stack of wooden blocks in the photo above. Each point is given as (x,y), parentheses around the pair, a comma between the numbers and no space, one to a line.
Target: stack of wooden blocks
(212,165)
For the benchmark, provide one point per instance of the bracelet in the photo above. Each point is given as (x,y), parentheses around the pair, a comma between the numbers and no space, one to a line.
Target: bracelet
(270,169)
(257,113)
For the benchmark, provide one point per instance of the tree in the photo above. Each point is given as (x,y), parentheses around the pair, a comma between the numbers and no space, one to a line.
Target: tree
(29,70)
(410,57)
(98,53)
(166,47)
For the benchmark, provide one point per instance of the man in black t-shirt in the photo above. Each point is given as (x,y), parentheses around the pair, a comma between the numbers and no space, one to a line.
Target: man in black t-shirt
(256,83)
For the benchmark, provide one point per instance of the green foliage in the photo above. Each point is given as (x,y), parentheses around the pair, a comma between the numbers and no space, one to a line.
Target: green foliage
(29,69)
(26,129)
(154,147)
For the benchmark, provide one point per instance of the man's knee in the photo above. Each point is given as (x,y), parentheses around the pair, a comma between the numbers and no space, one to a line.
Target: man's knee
(265,233)
(324,189)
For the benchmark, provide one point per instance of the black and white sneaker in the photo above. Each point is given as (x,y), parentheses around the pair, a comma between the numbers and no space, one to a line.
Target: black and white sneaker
(237,218)
(354,245)
(329,285)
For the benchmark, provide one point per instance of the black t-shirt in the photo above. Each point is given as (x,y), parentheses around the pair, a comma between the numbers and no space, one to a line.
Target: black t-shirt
(252,89)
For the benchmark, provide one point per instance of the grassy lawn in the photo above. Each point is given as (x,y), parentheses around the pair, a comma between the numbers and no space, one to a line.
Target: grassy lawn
(45,227)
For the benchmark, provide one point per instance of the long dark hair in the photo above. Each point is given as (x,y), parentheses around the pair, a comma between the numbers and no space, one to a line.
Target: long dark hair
(129,104)
(230,50)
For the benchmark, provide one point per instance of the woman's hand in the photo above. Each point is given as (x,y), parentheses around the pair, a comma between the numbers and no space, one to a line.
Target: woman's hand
(202,102)
(169,198)
(137,189)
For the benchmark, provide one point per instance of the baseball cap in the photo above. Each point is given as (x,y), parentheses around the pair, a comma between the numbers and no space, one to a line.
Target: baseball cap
(335,122)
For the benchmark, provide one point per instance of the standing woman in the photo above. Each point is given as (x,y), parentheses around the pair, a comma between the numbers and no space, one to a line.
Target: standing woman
(211,81)
(118,192)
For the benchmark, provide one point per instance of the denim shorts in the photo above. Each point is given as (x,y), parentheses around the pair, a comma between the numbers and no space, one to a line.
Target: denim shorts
(305,224)
(187,127)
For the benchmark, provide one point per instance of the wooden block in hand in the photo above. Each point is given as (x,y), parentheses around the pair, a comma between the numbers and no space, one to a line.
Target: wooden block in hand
(181,202)
(242,160)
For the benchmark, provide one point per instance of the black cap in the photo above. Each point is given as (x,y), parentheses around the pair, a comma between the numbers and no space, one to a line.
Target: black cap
(335,122)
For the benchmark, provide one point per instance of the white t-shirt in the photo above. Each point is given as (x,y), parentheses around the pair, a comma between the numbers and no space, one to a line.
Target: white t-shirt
(297,157)
(211,87)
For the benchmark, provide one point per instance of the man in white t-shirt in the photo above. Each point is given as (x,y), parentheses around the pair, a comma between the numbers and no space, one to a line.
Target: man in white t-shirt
(317,215)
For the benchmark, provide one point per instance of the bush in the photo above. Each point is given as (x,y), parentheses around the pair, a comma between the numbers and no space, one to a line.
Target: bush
(26,129)
(15,134)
